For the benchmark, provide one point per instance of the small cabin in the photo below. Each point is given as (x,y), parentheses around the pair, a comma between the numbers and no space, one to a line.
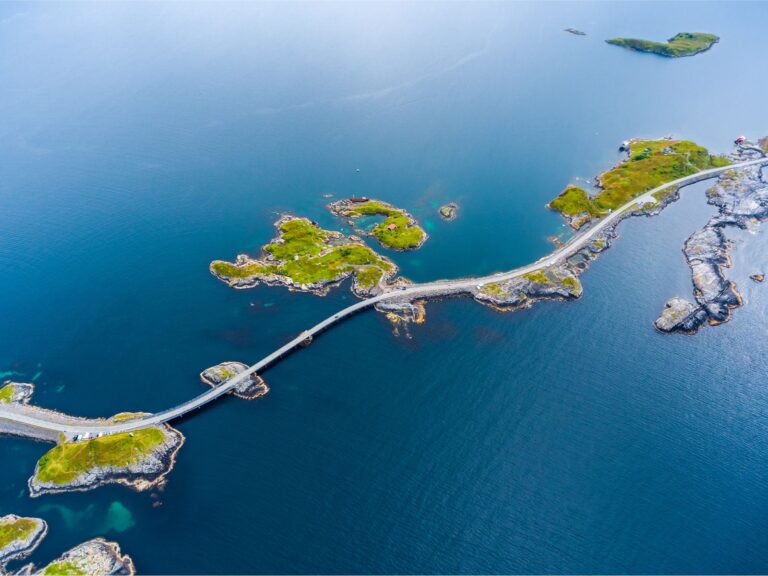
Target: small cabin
(740,140)
(392,226)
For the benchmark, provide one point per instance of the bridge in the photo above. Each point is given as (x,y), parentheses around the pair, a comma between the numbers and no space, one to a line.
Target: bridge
(28,416)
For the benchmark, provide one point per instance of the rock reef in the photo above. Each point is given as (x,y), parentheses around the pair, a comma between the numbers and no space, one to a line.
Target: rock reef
(250,389)
(742,199)
(98,557)
(19,537)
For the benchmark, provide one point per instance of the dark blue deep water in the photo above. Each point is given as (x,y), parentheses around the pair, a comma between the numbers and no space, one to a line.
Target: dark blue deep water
(140,141)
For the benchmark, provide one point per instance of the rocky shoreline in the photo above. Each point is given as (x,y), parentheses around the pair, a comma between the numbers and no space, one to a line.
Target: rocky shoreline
(31,533)
(250,389)
(97,556)
(742,200)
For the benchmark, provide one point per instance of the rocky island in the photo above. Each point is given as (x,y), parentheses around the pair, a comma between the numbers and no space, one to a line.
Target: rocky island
(649,164)
(306,258)
(19,537)
(449,211)
(250,389)
(398,231)
(682,44)
(742,199)
(575,31)
(94,557)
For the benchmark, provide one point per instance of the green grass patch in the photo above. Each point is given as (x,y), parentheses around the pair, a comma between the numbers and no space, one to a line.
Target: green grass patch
(494,289)
(682,44)
(574,200)
(126,416)
(16,530)
(368,276)
(538,276)
(651,164)
(6,394)
(63,568)
(570,282)
(67,461)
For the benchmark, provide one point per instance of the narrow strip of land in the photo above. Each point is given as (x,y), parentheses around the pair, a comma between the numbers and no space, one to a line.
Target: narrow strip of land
(27,416)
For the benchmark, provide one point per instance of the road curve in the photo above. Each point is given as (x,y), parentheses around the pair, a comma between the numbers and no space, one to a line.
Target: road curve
(412,292)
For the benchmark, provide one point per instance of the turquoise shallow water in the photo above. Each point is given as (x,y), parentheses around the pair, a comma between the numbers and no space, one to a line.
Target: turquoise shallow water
(139,142)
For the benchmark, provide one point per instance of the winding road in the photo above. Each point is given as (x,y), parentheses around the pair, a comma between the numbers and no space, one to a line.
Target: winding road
(38,419)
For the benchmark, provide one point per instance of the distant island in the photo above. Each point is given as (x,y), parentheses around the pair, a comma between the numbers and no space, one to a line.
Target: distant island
(682,44)
(574,31)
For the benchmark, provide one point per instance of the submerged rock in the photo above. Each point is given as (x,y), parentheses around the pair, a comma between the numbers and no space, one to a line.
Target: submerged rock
(249,389)
(19,537)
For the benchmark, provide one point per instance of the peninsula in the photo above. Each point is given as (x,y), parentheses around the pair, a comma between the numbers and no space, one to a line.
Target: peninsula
(649,164)
(398,231)
(682,44)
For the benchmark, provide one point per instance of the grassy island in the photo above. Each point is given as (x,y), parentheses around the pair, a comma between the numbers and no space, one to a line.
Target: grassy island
(306,257)
(67,461)
(15,529)
(398,230)
(651,163)
(19,537)
(682,44)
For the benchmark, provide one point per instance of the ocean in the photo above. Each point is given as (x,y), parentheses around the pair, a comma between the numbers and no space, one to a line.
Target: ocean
(140,141)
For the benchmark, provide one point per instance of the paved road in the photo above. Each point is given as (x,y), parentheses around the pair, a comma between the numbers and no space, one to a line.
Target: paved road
(410,293)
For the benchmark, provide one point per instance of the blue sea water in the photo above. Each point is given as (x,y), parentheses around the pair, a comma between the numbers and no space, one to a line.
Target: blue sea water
(140,141)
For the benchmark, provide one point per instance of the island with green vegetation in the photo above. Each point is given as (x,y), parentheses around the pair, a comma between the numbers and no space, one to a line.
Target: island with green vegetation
(449,212)
(682,44)
(19,537)
(650,163)
(398,230)
(94,557)
(249,389)
(304,257)
(140,459)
